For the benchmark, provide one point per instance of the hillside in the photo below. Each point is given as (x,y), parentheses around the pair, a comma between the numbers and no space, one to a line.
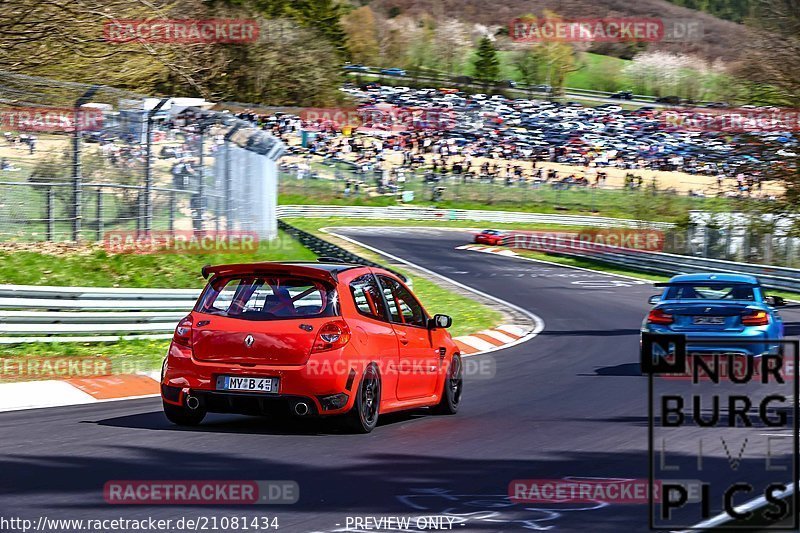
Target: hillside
(722,39)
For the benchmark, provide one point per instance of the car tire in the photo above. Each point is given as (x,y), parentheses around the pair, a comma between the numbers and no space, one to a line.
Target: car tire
(363,417)
(452,388)
(182,416)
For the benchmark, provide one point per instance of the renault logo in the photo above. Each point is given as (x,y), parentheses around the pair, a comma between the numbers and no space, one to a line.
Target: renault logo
(249,340)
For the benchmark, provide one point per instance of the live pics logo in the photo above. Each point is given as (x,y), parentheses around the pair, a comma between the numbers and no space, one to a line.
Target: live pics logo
(735,432)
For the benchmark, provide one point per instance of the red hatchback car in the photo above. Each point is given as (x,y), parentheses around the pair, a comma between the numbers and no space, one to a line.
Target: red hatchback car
(491,237)
(309,339)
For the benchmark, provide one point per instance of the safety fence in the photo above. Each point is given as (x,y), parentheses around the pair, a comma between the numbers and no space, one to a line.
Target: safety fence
(78,159)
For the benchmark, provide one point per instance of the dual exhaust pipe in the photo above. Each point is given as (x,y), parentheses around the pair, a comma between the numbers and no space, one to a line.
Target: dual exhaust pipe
(300,408)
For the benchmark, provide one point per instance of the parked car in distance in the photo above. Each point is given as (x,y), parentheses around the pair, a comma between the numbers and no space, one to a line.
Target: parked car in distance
(393,71)
(356,67)
(491,237)
(622,95)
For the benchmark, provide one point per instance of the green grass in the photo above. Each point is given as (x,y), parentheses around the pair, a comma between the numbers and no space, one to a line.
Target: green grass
(94,267)
(594,71)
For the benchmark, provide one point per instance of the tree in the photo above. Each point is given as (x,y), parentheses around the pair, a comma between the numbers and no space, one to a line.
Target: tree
(486,65)
(421,50)
(362,35)
(529,62)
(559,61)
(452,42)
(290,63)
(396,37)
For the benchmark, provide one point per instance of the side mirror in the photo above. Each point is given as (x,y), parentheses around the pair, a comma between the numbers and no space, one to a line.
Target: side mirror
(440,321)
(653,300)
(775,301)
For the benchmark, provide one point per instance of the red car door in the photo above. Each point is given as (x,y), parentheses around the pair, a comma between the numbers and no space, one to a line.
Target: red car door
(419,360)
(371,326)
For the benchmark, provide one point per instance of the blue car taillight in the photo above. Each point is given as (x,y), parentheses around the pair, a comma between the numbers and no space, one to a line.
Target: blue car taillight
(657,316)
(755,318)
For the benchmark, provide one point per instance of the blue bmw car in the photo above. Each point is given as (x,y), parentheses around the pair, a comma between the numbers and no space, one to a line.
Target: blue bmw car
(712,307)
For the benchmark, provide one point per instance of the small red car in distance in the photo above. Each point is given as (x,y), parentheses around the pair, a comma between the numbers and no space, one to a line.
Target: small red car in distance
(491,237)
(309,339)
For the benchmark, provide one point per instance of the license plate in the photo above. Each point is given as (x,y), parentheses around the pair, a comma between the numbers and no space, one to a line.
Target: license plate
(709,320)
(267,385)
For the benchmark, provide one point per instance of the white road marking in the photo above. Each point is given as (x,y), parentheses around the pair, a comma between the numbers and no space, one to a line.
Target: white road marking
(47,393)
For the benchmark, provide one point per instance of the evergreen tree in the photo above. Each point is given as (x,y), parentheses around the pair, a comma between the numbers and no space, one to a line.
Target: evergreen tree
(487,64)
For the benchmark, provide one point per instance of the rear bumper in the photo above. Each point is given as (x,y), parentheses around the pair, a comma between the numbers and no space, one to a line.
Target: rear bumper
(751,341)
(241,402)
(310,383)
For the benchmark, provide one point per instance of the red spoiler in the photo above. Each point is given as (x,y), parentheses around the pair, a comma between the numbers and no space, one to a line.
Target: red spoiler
(269,267)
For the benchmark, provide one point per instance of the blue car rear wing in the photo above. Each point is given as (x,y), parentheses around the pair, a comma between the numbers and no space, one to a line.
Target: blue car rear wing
(704,283)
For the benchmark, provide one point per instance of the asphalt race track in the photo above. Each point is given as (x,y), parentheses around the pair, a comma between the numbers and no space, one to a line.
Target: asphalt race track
(568,403)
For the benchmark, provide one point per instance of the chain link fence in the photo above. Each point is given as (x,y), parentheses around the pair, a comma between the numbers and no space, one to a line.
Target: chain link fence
(77,161)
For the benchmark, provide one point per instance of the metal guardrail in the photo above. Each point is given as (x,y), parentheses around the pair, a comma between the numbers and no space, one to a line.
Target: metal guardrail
(87,314)
(432,213)
(772,277)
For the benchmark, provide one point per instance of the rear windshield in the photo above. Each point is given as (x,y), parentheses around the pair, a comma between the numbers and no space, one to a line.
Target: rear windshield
(269,298)
(710,292)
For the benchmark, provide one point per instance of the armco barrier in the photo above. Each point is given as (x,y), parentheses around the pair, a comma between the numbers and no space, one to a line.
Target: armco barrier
(88,314)
(474,215)
(773,277)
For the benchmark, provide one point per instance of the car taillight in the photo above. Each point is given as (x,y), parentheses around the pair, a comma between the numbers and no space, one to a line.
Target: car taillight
(331,336)
(183,333)
(657,316)
(755,318)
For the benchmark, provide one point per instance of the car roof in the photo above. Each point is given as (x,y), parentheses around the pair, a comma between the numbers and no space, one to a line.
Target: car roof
(715,277)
